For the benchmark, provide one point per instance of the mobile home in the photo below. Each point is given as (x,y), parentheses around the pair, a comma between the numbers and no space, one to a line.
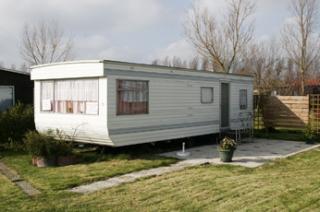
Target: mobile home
(117,103)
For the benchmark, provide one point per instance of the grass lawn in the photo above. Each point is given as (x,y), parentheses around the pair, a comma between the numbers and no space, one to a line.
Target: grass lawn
(291,184)
(105,166)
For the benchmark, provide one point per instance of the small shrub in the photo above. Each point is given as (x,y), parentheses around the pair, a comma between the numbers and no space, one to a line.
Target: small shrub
(38,144)
(63,143)
(227,144)
(310,134)
(46,144)
(14,123)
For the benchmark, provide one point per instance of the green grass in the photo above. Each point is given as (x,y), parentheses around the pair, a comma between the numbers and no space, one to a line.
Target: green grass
(58,178)
(291,184)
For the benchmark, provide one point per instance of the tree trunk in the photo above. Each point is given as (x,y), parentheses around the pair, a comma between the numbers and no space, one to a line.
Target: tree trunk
(302,84)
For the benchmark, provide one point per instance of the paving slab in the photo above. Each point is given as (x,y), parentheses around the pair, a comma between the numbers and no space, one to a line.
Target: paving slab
(14,177)
(250,154)
(131,177)
(11,174)
(27,188)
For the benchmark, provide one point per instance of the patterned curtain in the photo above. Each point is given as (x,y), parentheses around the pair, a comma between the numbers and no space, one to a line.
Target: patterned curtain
(132,97)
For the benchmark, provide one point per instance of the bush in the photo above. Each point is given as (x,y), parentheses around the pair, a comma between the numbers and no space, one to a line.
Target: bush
(228,144)
(45,145)
(14,123)
(63,144)
(38,144)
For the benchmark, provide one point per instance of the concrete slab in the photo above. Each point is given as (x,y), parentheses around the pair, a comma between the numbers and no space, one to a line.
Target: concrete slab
(27,188)
(14,177)
(131,177)
(251,154)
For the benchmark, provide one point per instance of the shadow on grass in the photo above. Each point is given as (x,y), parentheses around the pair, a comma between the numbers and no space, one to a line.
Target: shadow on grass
(147,151)
(280,134)
(88,153)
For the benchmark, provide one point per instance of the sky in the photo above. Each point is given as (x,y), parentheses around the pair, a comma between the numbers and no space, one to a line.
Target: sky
(126,30)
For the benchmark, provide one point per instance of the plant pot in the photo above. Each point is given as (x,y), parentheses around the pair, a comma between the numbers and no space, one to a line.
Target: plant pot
(40,161)
(226,155)
(66,160)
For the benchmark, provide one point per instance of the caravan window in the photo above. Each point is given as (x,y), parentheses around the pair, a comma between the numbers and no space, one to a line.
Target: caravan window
(70,96)
(206,95)
(243,99)
(132,97)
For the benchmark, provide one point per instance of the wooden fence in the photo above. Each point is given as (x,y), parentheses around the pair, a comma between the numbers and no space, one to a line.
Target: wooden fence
(287,112)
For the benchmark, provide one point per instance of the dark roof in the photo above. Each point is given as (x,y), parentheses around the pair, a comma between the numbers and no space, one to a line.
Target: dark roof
(308,82)
(14,71)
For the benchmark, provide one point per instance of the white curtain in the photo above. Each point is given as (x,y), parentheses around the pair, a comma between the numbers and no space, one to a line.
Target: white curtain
(47,90)
(69,96)
(47,95)
(206,95)
(77,90)
(134,91)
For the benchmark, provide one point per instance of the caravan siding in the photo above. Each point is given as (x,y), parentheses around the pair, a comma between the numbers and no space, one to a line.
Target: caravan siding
(91,128)
(175,108)
(84,127)
(240,118)
(175,111)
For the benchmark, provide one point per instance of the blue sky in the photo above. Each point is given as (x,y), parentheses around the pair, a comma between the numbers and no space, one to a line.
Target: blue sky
(129,30)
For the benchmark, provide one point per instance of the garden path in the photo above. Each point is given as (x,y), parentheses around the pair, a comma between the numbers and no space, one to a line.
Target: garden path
(14,177)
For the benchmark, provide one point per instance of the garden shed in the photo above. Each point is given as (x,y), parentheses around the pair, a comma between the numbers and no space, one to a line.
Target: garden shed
(15,86)
(119,103)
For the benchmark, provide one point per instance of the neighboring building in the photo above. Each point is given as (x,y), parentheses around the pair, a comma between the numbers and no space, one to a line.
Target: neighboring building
(312,86)
(117,103)
(15,86)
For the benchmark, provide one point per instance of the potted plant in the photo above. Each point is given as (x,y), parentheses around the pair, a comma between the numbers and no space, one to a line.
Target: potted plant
(226,149)
(309,135)
(41,147)
(64,150)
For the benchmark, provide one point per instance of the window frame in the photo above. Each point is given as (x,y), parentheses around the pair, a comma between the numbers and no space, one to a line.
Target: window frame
(41,91)
(246,96)
(118,113)
(54,84)
(212,96)
(12,87)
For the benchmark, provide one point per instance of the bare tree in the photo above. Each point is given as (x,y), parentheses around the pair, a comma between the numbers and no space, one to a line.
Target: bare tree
(175,61)
(221,41)
(264,62)
(298,37)
(194,63)
(45,43)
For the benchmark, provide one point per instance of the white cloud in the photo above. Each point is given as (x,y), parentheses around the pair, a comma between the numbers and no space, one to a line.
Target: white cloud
(133,30)
(99,47)
(90,22)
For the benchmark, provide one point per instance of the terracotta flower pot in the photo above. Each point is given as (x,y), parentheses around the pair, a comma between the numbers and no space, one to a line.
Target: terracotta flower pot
(43,161)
